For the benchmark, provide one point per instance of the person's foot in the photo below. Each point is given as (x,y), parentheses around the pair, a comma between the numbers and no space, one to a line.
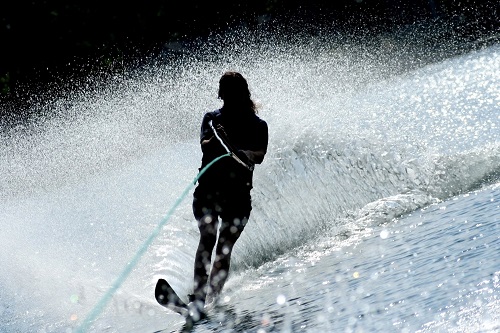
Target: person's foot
(196,310)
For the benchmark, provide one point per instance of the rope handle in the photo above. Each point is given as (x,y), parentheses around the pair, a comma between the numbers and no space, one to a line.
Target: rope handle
(233,155)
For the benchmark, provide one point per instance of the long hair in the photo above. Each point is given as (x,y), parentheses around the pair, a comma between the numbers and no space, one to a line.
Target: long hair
(233,90)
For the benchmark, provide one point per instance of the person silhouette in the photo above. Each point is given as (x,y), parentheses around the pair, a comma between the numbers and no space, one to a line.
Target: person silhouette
(223,191)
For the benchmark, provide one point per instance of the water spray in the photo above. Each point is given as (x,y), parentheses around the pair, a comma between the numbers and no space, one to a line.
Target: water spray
(99,307)
(133,262)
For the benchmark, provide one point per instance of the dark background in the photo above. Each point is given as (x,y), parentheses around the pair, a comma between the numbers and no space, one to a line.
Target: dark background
(44,42)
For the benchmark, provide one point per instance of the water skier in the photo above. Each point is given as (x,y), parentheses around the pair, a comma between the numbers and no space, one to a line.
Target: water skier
(223,191)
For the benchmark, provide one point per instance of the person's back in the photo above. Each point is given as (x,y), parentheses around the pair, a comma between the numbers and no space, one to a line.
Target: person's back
(247,132)
(224,189)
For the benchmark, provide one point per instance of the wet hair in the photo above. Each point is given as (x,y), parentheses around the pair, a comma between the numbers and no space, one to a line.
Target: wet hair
(233,90)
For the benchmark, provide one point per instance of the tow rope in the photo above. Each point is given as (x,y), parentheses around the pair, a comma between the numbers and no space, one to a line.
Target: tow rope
(99,307)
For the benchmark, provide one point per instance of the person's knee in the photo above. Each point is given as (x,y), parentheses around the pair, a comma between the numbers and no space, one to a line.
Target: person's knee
(226,244)
(232,230)
(227,240)
(207,225)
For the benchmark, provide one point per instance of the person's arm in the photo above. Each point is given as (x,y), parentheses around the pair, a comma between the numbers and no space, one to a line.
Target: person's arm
(238,154)
(255,156)
(250,157)
(209,143)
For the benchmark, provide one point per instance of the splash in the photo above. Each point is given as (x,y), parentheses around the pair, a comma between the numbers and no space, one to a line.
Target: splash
(356,130)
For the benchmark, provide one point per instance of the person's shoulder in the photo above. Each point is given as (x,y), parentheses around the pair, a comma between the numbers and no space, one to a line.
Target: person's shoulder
(258,119)
(212,114)
(256,116)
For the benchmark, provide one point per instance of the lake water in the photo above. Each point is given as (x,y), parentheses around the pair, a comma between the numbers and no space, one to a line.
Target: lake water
(375,210)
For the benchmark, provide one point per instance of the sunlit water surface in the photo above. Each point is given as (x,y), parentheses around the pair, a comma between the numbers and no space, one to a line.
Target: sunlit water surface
(376,209)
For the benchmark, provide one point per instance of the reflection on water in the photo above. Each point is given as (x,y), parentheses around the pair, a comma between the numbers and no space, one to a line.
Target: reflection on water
(355,140)
(436,269)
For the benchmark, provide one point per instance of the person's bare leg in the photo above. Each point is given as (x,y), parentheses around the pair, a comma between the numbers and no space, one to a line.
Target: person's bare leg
(208,237)
(220,269)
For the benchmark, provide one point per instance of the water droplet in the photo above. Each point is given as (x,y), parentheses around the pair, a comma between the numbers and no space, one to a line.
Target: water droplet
(384,234)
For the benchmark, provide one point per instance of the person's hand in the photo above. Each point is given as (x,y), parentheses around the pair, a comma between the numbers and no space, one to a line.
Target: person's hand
(212,146)
(244,157)
(221,131)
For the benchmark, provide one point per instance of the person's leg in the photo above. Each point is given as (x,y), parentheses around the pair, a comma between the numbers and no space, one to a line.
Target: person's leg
(208,237)
(229,234)
(205,212)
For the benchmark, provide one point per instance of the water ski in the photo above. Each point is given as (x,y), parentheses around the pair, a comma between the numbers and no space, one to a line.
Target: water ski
(167,297)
